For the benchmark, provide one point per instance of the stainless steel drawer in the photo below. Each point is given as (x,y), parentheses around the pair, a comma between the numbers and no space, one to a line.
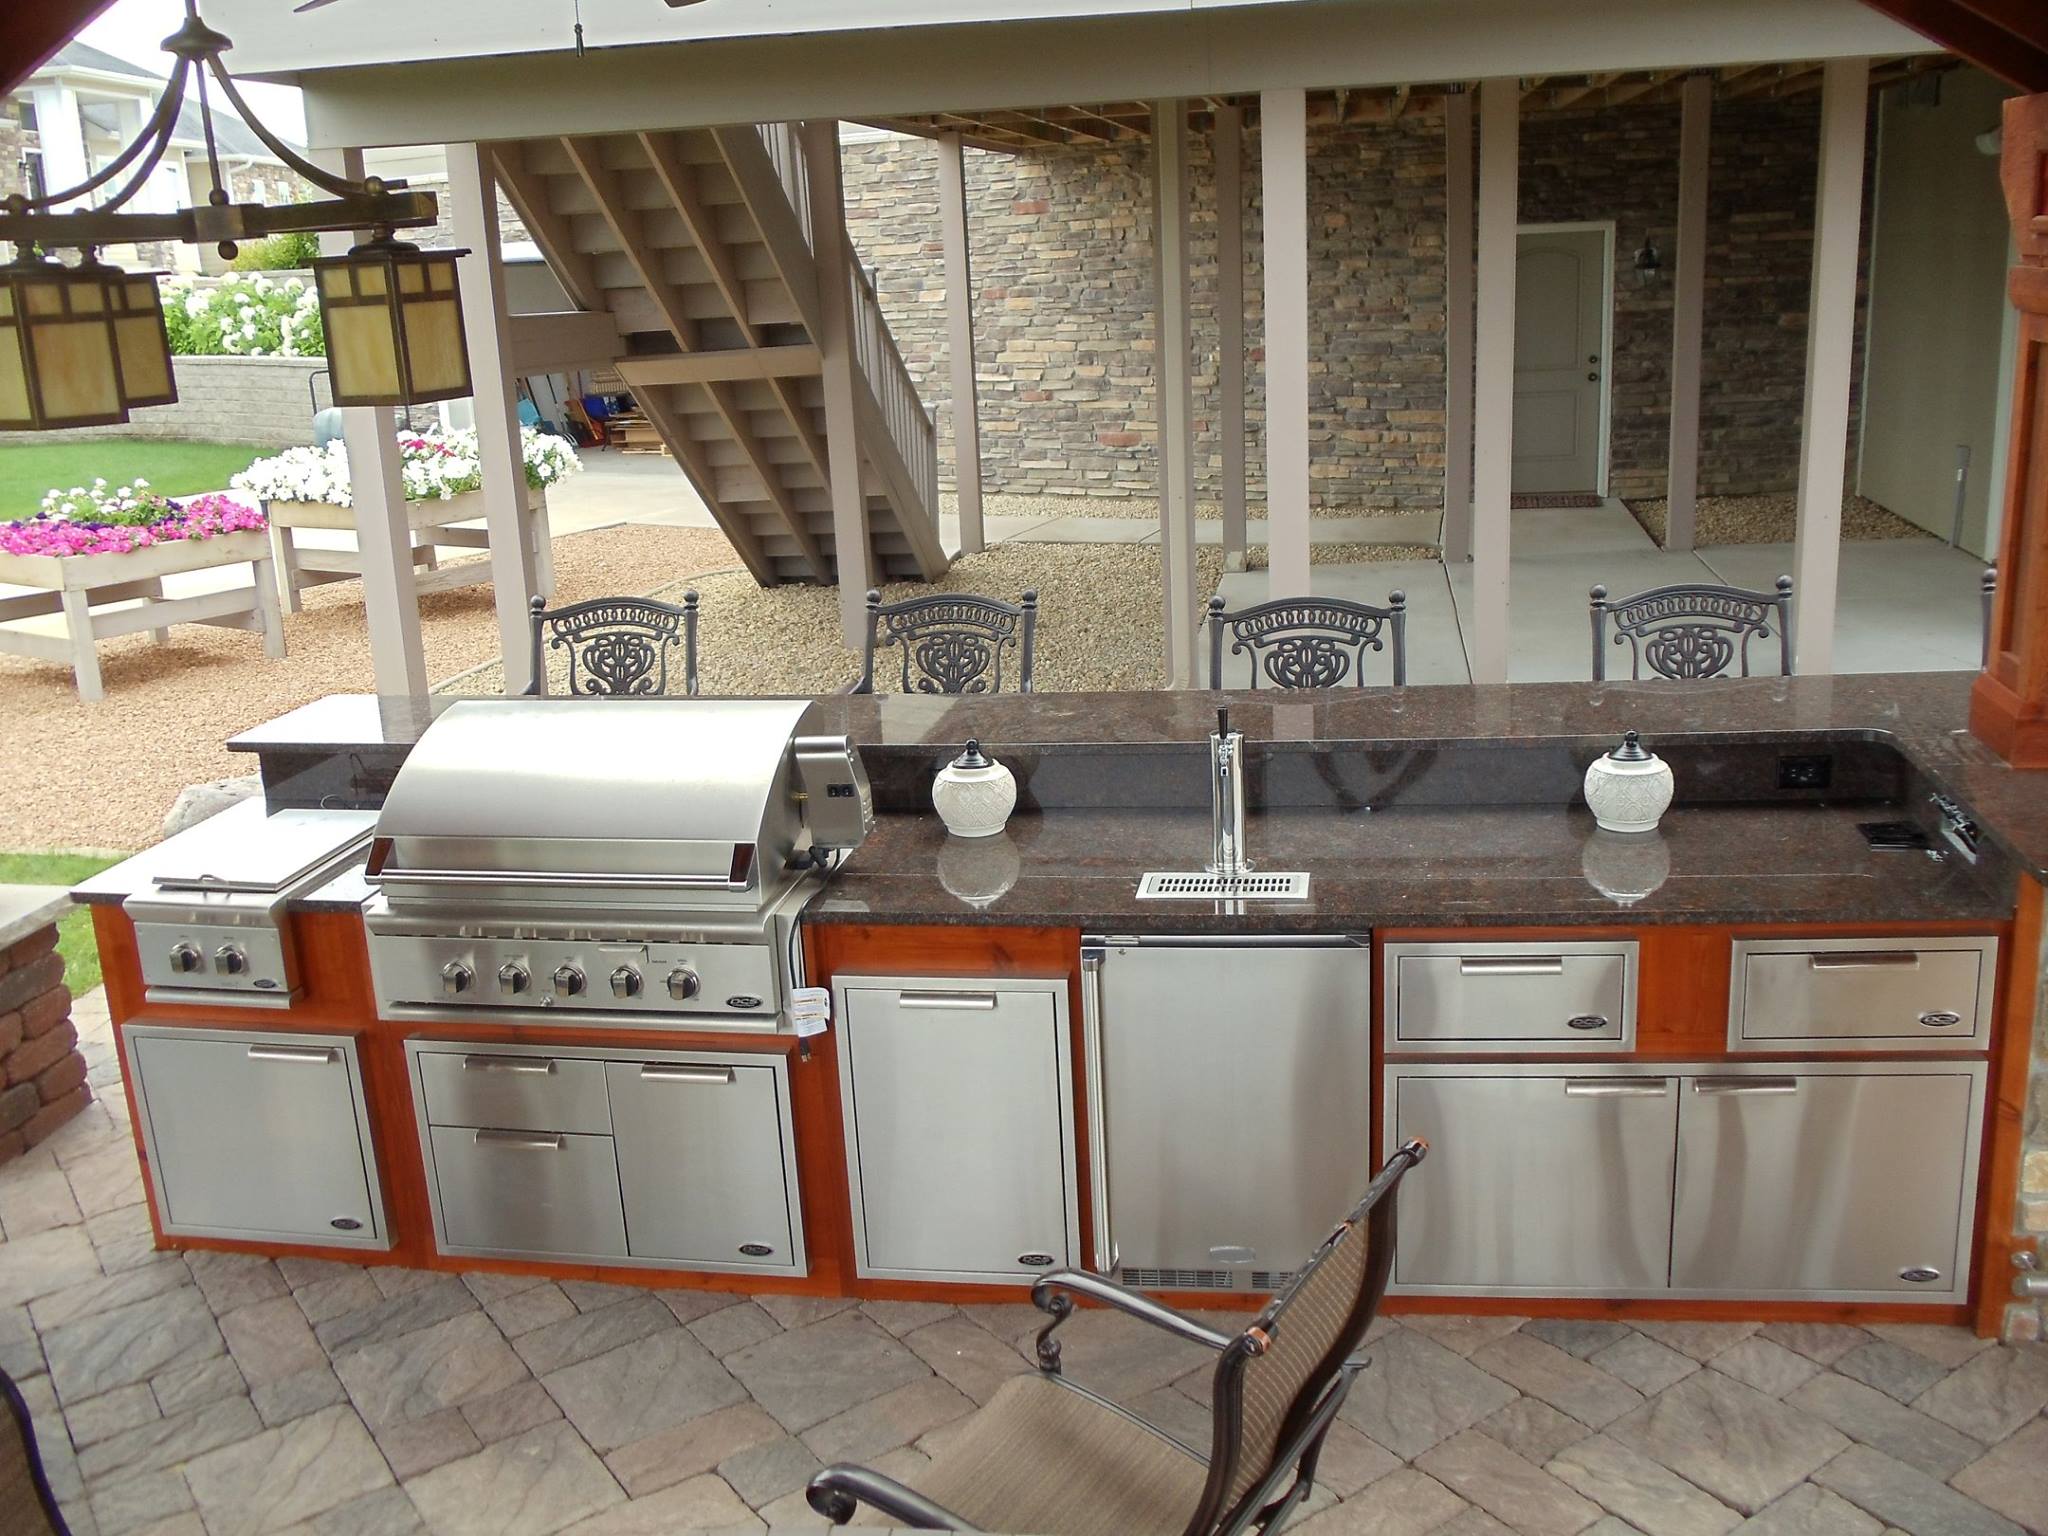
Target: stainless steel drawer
(528,1192)
(1875,994)
(1575,995)
(515,1092)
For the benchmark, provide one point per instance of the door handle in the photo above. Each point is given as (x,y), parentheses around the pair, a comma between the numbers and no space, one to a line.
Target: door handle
(318,1055)
(945,999)
(526,1065)
(1616,1087)
(523,1139)
(1729,1087)
(1511,965)
(1864,959)
(676,1072)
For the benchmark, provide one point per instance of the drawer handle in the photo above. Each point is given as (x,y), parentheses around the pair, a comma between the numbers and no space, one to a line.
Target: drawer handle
(1864,959)
(1511,965)
(945,1000)
(1940,1019)
(1586,1021)
(1616,1087)
(529,1065)
(318,1055)
(1729,1087)
(525,1140)
(672,1072)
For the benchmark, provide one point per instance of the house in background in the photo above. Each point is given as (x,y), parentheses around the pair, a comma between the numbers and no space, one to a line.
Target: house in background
(84,106)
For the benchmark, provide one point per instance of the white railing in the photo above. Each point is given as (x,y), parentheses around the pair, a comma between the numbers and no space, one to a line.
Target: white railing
(888,379)
(786,151)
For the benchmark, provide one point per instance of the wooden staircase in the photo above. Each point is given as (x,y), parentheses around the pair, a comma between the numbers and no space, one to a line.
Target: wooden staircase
(700,245)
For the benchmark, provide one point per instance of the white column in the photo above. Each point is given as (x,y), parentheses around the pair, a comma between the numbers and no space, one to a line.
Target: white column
(960,341)
(473,195)
(1688,308)
(60,135)
(1283,176)
(391,603)
(835,348)
(1175,383)
(1229,153)
(1457,530)
(1830,344)
(1493,383)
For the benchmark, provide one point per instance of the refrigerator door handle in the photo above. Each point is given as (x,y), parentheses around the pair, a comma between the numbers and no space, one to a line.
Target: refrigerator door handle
(1098,1137)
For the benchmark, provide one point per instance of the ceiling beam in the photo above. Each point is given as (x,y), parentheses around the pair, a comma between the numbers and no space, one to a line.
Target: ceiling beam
(2006,38)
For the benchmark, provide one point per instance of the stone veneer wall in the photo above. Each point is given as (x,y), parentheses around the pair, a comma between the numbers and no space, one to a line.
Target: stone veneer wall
(1062,254)
(42,1074)
(260,400)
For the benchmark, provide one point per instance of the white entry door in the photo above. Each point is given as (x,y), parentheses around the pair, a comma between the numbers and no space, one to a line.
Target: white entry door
(1560,358)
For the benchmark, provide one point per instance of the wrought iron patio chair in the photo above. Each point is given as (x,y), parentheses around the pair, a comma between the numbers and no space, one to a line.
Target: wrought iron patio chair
(27,1507)
(617,647)
(1693,630)
(951,642)
(1048,1456)
(1987,588)
(1309,642)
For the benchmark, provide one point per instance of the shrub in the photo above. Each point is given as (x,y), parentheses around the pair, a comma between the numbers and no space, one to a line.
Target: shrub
(278,253)
(254,316)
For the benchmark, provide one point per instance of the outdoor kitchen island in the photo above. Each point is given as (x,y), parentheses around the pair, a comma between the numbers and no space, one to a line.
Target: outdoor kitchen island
(1772,1060)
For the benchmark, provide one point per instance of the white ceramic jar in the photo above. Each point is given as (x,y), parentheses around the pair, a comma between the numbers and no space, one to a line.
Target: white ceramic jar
(1628,789)
(974,795)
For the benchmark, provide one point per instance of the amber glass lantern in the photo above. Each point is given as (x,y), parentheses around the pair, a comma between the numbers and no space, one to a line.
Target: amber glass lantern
(58,353)
(393,317)
(142,345)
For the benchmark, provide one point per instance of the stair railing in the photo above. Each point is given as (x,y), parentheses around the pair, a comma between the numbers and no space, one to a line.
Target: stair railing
(785,151)
(910,425)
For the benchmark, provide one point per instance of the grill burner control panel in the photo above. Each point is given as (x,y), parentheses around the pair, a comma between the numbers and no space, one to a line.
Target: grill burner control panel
(579,976)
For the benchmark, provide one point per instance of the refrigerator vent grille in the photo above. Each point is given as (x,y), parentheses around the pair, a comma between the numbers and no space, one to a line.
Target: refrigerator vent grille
(1201,886)
(1181,1279)
(1272,1279)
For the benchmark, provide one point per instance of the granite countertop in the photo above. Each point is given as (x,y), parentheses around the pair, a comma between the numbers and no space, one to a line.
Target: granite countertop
(1497,866)
(26,909)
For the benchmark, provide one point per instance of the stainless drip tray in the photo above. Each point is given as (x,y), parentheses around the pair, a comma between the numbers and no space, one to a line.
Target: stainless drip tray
(1200,885)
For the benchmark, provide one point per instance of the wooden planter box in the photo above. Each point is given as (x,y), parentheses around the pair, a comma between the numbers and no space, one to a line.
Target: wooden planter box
(431,520)
(84,589)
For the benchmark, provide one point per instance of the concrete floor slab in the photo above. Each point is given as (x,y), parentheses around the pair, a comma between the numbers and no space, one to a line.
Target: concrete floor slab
(1549,633)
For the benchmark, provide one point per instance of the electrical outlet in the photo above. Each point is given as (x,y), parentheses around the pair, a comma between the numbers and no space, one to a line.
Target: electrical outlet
(1816,772)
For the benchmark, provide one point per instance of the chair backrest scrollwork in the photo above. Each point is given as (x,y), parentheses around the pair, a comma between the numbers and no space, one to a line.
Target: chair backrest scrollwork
(951,642)
(616,647)
(1309,642)
(1692,630)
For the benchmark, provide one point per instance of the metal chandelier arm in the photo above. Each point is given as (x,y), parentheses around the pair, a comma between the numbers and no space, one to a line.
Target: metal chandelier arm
(327,181)
(156,131)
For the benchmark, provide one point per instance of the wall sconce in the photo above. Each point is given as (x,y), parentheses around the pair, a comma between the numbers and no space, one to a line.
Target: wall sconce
(394,324)
(1649,265)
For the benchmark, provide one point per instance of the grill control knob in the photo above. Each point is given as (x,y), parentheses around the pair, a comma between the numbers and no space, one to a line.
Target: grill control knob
(568,980)
(230,960)
(455,978)
(625,982)
(513,977)
(185,958)
(683,984)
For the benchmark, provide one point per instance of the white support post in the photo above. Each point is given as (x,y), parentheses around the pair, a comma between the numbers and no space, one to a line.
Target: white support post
(1830,346)
(1283,175)
(1229,156)
(391,603)
(1493,384)
(835,350)
(473,192)
(1174,350)
(1688,309)
(960,341)
(1457,528)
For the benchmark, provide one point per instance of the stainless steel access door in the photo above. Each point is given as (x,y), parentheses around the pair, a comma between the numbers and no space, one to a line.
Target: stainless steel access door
(1230,1101)
(1828,1181)
(1542,1180)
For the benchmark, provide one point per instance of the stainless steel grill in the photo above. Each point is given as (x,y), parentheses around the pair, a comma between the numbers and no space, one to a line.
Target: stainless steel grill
(580,860)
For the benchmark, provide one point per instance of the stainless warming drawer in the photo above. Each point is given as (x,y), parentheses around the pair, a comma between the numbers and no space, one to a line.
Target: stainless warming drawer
(515,1092)
(1559,995)
(537,1192)
(1930,994)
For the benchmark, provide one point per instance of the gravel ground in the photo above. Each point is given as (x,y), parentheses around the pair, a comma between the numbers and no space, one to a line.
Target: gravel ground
(1032,504)
(1773,520)
(1347,554)
(102,775)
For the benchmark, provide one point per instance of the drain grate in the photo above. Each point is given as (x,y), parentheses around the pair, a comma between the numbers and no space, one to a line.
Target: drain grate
(1199,885)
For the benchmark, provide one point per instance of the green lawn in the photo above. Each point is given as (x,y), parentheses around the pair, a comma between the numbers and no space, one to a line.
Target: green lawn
(27,470)
(74,929)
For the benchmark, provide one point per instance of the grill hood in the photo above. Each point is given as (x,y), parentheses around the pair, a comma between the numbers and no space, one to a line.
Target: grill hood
(569,801)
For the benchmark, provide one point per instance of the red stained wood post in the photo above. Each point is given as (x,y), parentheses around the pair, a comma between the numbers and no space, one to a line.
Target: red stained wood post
(2009,703)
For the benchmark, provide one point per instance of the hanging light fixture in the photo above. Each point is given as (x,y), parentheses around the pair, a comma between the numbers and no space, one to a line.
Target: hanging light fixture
(80,345)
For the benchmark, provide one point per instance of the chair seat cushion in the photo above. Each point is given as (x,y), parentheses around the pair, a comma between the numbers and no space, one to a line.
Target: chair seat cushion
(1044,1458)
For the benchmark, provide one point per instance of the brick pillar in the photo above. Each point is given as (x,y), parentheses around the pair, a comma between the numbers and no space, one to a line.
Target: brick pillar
(42,1075)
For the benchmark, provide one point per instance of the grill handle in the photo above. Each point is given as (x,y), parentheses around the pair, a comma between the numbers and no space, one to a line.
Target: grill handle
(560,880)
